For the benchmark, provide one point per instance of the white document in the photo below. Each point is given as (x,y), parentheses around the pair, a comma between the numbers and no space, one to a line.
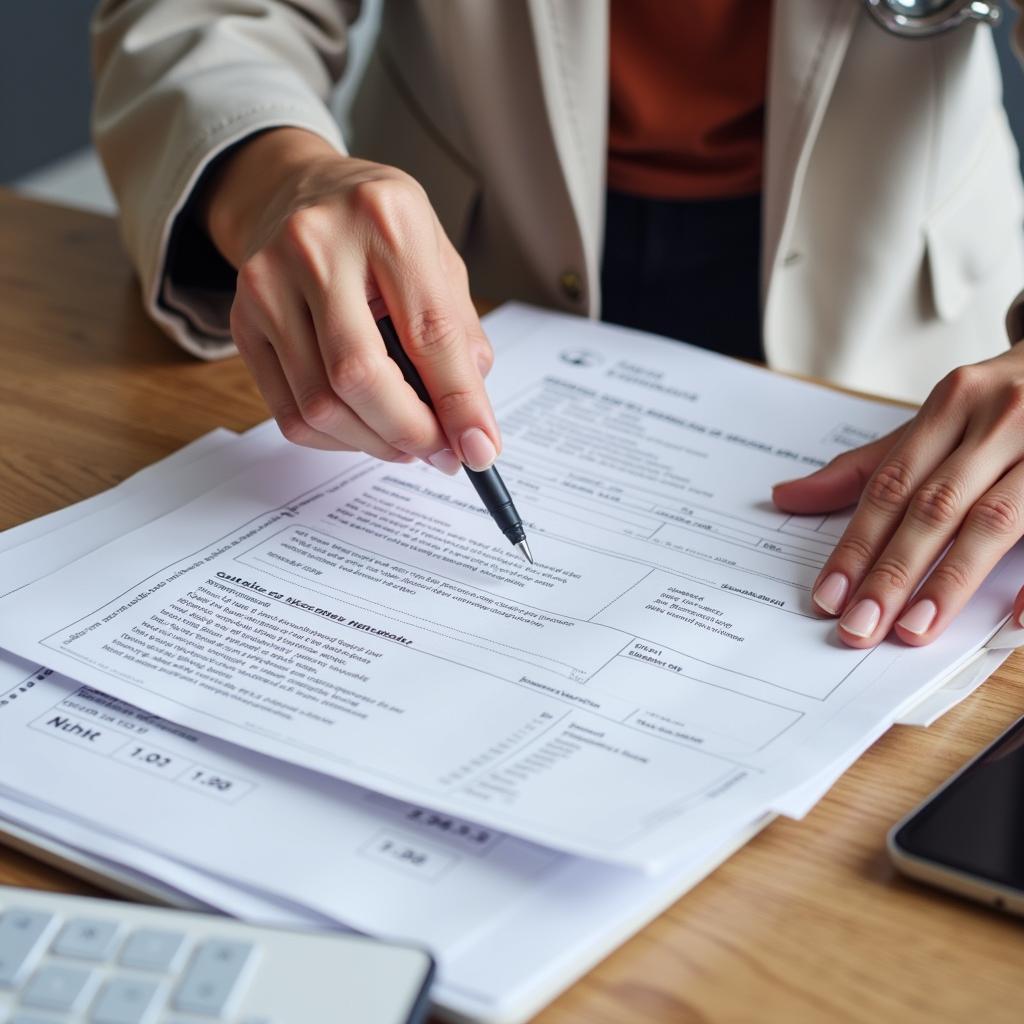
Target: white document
(524,936)
(105,860)
(532,951)
(960,686)
(923,710)
(218,823)
(658,676)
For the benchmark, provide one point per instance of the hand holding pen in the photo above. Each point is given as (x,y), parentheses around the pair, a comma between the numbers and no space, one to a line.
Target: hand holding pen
(320,240)
(489,485)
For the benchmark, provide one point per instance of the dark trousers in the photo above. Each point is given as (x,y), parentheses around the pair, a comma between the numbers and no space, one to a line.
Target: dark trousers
(687,269)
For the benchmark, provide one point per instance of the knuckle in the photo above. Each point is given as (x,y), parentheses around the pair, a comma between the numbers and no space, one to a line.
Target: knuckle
(353,375)
(1008,406)
(294,428)
(409,437)
(938,504)
(318,409)
(890,488)
(434,332)
(453,403)
(298,227)
(854,550)
(961,384)
(485,357)
(890,574)
(951,576)
(996,514)
(390,204)
(1015,397)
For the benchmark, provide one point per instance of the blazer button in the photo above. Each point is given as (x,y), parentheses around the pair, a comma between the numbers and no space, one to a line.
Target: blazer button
(572,285)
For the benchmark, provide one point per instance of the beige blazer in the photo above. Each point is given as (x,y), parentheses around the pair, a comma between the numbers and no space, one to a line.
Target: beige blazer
(892,201)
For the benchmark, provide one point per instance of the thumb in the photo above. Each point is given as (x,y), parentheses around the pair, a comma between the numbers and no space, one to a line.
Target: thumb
(836,485)
(1018,609)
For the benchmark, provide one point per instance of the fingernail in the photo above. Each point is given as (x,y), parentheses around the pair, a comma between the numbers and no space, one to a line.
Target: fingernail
(862,618)
(1020,619)
(831,593)
(445,460)
(919,618)
(478,450)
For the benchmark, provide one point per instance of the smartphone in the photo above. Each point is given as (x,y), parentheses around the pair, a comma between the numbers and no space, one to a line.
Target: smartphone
(968,836)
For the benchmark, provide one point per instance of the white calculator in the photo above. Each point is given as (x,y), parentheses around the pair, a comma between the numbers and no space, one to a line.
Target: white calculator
(76,960)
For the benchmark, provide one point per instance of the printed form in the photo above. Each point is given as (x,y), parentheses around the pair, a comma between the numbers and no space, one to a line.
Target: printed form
(658,676)
(376,864)
(510,923)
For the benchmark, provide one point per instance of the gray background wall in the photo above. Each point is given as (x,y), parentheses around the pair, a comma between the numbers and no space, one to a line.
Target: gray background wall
(44,82)
(1013,79)
(45,90)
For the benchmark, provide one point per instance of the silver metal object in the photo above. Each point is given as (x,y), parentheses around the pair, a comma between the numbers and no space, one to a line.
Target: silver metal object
(921,19)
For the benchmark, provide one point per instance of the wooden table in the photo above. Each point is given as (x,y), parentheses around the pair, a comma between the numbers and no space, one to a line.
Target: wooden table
(809,922)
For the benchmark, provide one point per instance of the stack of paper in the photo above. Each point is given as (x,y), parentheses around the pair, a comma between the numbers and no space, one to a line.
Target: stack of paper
(314,688)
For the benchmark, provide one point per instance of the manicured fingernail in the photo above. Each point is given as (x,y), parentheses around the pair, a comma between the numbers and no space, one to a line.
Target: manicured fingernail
(445,460)
(478,450)
(920,617)
(1020,619)
(831,593)
(862,618)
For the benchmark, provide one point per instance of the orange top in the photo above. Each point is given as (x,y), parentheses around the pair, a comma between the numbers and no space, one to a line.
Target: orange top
(686,104)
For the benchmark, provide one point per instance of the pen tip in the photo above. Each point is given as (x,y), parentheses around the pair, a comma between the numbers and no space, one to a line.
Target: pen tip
(524,549)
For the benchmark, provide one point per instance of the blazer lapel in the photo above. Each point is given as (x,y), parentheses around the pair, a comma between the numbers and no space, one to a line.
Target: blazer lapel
(809,40)
(571,38)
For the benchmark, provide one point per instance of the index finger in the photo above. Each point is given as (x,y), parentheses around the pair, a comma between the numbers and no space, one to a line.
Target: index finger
(434,334)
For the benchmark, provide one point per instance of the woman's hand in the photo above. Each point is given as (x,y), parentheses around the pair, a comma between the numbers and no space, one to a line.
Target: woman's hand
(324,245)
(953,476)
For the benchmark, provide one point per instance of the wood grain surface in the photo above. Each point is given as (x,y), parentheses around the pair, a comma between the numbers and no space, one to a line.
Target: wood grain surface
(809,922)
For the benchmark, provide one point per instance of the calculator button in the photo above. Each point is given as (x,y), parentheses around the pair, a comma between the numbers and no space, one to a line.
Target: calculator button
(152,949)
(55,987)
(212,977)
(22,934)
(86,939)
(21,1018)
(124,1001)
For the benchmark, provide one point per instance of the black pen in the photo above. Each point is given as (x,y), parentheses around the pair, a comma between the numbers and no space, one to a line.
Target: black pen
(489,485)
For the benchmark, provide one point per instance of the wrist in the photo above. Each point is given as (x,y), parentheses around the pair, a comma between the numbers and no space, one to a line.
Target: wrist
(247,182)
